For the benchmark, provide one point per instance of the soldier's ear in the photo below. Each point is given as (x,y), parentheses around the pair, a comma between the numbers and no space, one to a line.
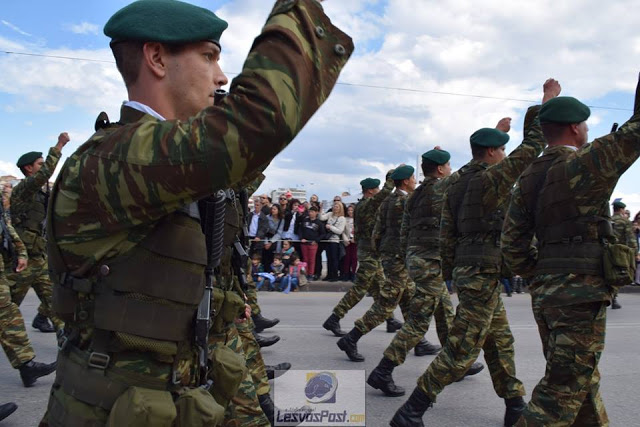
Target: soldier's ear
(154,58)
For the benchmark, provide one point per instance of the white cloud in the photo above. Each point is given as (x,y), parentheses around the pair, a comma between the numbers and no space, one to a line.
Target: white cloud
(8,168)
(84,28)
(15,28)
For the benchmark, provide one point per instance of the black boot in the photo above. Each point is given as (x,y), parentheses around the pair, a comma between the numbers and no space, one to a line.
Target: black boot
(515,407)
(393,324)
(41,323)
(615,304)
(380,378)
(265,341)
(474,369)
(349,344)
(267,406)
(410,414)
(274,371)
(333,324)
(7,409)
(262,323)
(425,348)
(31,371)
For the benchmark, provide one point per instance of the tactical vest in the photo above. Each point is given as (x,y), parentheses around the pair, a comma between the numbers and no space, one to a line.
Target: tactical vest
(143,300)
(424,219)
(568,242)
(29,223)
(363,226)
(478,238)
(390,239)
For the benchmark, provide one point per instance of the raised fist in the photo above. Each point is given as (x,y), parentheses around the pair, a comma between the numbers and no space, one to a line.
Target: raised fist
(504,124)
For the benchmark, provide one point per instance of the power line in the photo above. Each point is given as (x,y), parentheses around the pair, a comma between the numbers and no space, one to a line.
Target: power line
(399,89)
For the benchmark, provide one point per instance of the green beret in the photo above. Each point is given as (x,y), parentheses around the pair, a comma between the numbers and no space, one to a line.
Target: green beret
(402,172)
(369,183)
(28,158)
(166,21)
(617,203)
(489,137)
(564,109)
(439,157)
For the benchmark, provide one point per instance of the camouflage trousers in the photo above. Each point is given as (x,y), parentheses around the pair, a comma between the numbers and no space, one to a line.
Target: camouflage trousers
(368,278)
(35,276)
(480,323)
(430,300)
(244,409)
(569,393)
(13,335)
(255,362)
(396,289)
(252,293)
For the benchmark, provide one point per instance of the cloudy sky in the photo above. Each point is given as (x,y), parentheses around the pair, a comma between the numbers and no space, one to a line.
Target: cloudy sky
(424,73)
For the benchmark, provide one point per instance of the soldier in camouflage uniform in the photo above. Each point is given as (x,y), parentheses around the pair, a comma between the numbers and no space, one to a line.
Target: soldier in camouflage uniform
(29,201)
(420,234)
(13,336)
(369,274)
(472,219)
(397,288)
(562,201)
(122,209)
(623,231)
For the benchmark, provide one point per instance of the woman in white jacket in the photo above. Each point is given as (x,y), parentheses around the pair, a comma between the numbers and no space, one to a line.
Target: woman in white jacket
(336,223)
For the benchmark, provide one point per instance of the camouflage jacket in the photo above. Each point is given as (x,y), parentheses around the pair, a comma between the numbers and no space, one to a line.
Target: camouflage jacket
(122,181)
(497,183)
(593,173)
(26,190)
(623,230)
(365,218)
(385,238)
(439,188)
(18,246)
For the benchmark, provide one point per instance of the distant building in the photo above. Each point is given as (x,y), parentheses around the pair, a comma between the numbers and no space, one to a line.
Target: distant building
(296,193)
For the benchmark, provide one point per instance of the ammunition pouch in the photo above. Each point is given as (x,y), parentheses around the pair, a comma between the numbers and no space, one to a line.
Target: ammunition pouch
(228,306)
(228,368)
(143,407)
(619,265)
(197,408)
(570,256)
(481,254)
(34,242)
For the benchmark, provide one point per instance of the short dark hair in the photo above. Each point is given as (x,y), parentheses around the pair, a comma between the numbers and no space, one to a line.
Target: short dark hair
(129,55)
(553,131)
(429,167)
(313,208)
(478,151)
(397,182)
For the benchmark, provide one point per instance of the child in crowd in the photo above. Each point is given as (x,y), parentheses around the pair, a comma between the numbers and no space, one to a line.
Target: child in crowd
(256,269)
(297,275)
(287,251)
(278,272)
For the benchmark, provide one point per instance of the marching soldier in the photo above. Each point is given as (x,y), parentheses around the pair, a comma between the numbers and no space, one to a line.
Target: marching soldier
(13,336)
(623,230)
(472,218)
(397,288)
(29,201)
(123,229)
(420,234)
(561,199)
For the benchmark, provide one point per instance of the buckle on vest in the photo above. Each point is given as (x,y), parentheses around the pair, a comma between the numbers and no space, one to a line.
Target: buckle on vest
(175,377)
(63,341)
(577,239)
(98,360)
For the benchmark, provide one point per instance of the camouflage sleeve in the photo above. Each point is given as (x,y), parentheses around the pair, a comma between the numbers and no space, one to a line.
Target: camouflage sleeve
(19,246)
(32,184)
(501,177)
(520,255)
(378,228)
(598,166)
(443,184)
(404,226)
(255,184)
(152,167)
(447,239)
(386,190)
(632,240)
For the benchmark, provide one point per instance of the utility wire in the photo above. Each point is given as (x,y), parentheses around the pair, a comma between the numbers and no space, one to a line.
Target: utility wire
(399,89)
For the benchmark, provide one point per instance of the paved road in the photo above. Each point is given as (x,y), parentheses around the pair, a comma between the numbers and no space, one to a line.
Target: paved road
(306,345)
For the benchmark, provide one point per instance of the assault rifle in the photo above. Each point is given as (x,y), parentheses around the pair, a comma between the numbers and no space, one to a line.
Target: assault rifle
(240,256)
(212,211)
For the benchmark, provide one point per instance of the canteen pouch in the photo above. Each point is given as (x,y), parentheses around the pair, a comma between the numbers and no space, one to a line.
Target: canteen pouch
(143,407)
(233,306)
(227,371)
(197,408)
(619,265)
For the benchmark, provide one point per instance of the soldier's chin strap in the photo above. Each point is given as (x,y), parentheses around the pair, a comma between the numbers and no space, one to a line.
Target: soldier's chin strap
(212,210)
